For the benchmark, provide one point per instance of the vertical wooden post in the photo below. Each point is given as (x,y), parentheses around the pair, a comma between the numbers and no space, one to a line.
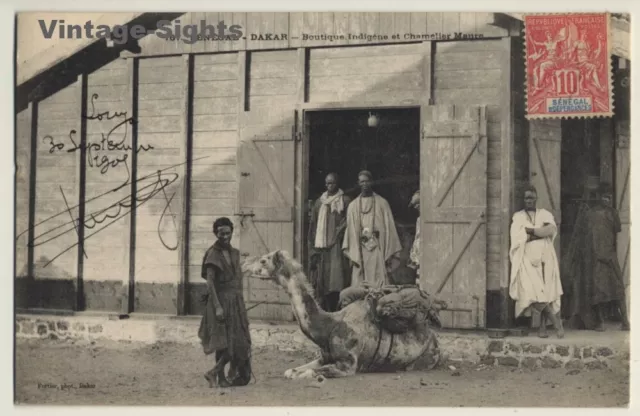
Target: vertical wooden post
(302,75)
(243,105)
(33,114)
(427,71)
(127,303)
(507,184)
(186,124)
(243,102)
(301,146)
(80,298)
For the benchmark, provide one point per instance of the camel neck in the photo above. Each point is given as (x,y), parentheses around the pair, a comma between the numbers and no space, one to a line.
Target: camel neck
(305,307)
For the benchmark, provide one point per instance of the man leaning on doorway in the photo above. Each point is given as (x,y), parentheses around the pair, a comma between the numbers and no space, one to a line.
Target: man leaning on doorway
(535,273)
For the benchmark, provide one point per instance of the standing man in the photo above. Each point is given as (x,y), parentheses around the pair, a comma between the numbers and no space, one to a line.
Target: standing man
(371,239)
(594,271)
(535,273)
(329,269)
(414,255)
(224,328)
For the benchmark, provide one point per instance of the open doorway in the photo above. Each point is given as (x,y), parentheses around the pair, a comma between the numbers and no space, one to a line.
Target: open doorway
(587,160)
(342,141)
(580,171)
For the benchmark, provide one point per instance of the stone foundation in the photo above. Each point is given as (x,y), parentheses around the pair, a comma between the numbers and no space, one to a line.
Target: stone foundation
(518,353)
(458,349)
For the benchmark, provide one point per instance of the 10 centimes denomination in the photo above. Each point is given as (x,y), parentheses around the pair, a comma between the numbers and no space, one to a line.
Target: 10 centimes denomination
(568,65)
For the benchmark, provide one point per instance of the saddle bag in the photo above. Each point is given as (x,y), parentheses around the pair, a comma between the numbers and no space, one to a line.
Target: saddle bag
(406,308)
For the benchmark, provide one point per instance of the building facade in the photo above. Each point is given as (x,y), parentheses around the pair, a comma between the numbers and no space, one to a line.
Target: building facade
(146,143)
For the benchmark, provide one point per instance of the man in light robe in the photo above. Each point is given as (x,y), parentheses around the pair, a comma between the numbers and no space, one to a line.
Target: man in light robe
(535,273)
(371,240)
(329,268)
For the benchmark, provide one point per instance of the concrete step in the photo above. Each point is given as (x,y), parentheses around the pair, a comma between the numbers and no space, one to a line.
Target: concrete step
(579,349)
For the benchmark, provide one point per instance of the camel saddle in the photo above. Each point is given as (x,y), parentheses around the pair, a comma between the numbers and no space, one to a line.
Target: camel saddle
(397,308)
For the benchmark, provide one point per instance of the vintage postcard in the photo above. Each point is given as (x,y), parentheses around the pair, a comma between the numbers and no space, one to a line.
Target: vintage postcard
(322,209)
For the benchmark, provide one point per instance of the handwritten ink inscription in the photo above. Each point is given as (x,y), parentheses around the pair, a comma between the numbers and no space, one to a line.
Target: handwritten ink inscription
(49,229)
(97,155)
(100,155)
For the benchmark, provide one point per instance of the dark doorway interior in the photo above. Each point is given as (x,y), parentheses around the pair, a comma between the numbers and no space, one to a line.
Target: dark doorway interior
(580,171)
(586,156)
(342,142)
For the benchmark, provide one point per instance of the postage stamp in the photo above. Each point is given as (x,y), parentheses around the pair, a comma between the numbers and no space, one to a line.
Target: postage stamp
(568,65)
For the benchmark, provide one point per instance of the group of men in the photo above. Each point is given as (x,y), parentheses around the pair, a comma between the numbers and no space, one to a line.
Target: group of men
(352,243)
(594,279)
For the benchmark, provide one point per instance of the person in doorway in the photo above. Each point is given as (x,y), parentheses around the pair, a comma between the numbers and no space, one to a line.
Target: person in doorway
(224,329)
(371,240)
(328,268)
(535,273)
(414,255)
(596,280)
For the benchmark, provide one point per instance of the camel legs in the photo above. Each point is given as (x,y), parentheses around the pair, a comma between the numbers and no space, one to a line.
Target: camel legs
(344,360)
(341,368)
(295,372)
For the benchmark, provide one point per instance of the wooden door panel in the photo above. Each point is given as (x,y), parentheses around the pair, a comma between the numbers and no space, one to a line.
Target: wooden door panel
(545,152)
(453,206)
(622,189)
(544,165)
(266,164)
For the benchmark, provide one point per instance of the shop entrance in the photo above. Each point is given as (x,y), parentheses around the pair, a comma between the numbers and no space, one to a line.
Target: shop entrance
(568,161)
(343,142)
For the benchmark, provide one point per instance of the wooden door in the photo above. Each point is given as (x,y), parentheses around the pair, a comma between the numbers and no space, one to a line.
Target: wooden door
(545,153)
(622,201)
(266,162)
(453,192)
(545,138)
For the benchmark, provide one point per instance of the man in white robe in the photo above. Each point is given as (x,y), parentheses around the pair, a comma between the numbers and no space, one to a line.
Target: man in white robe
(371,239)
(535,273)
(329,269)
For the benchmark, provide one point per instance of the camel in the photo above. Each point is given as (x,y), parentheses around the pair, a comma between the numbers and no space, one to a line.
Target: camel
(349,340)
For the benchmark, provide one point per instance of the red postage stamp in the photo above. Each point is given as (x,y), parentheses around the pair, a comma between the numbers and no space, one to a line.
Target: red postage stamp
(568,65)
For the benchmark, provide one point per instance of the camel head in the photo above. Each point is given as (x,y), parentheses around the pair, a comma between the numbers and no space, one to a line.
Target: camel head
(277,266)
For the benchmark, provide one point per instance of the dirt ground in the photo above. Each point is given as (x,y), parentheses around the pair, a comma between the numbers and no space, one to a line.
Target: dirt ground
(51,372)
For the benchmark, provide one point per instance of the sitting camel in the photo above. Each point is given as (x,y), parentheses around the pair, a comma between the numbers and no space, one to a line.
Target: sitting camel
(350,340)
